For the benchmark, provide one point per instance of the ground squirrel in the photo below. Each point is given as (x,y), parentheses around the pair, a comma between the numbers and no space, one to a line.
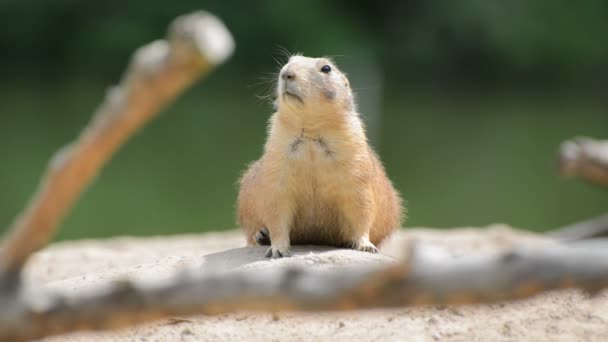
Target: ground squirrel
(318,181)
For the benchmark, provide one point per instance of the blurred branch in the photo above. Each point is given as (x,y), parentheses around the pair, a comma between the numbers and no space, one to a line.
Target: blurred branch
(593,228)
(421,280)
(586,158)
(158,73)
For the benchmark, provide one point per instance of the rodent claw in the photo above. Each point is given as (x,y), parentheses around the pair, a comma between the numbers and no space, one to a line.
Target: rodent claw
(272,253)
(268,253)
(368,248)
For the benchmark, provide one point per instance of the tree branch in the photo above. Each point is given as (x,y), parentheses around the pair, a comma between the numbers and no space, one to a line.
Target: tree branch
(586,158)
(421,280)
(593,228)
(158,73)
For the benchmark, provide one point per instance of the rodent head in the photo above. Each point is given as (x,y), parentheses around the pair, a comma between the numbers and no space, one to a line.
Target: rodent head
(313,84)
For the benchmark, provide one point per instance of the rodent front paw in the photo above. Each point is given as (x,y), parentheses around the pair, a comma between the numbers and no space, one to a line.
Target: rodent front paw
(366,246)
(368,249)
(275,253)
(262,237)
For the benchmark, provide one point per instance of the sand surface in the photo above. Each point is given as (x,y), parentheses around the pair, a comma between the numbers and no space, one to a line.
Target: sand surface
(82,265)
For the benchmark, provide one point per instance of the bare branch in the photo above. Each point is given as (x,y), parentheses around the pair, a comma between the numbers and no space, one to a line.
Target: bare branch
(586,158)
(158,73)
(593,228)
(422,280)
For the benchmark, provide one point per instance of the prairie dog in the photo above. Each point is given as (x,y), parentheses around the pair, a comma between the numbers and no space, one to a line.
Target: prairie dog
(318,181)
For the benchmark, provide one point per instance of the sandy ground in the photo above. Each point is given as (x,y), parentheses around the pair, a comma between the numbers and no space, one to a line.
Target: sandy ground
(82,265)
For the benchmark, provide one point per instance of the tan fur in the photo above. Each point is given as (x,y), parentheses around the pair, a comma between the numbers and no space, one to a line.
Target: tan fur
(318,181)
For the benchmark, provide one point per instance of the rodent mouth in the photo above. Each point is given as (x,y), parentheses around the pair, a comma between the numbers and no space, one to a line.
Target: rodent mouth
(291,95)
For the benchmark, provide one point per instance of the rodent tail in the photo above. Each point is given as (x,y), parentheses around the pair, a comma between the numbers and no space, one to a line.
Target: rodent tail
(263,237)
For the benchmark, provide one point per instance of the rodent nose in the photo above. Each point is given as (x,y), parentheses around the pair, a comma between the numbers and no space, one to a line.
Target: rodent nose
(288,75)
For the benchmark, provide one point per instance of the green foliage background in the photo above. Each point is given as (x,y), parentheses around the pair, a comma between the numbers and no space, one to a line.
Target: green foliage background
(471,100)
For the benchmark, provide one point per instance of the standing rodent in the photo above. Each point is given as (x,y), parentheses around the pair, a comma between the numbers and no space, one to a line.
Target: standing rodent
(318,181)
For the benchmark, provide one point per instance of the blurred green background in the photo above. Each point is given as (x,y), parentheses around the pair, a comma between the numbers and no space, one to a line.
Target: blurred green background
(466,102)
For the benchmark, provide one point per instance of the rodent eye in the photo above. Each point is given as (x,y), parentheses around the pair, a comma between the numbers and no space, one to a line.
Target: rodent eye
(326,69)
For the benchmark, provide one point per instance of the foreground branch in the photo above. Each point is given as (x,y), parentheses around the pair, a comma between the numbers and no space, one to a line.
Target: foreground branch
(158,72)
(420,281)
(585,158)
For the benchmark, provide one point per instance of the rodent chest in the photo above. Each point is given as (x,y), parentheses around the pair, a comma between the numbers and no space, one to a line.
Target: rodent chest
(314,166)
(305,147)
